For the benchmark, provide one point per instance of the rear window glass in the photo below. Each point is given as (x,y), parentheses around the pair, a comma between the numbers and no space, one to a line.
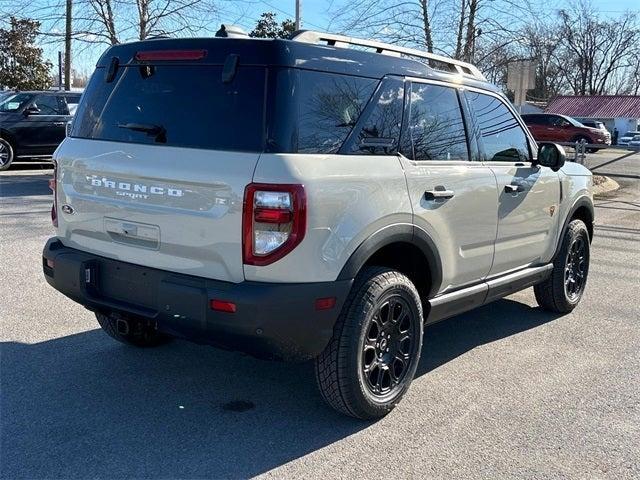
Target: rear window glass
(329,106)
(183,106)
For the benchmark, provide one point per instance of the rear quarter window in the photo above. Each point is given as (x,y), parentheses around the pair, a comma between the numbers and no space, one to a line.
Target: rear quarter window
(329,105)
(190,102)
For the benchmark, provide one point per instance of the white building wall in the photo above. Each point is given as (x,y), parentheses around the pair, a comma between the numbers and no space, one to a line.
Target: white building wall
(626,124)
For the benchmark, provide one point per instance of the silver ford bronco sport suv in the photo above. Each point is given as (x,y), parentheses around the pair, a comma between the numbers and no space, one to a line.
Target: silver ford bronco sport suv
(319,198)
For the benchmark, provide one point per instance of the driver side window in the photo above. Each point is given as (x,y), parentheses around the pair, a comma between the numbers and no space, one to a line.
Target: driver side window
(48,105)
(503,139)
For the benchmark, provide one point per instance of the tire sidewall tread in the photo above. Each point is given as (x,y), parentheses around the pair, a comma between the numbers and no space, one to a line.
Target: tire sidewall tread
(551,294)
(12,155)
(336,368)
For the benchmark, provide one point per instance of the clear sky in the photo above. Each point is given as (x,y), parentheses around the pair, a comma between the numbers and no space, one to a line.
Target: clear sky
(316,15)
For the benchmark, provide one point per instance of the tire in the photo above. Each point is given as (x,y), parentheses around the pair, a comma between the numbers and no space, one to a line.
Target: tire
(564,288)
(130,331)
(593,150)
(7,154)
(361,373)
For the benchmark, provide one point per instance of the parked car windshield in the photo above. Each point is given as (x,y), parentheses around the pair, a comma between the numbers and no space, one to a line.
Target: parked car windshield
(15,102)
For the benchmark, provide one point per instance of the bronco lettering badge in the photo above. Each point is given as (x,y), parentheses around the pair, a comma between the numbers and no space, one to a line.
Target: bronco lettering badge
(133,190)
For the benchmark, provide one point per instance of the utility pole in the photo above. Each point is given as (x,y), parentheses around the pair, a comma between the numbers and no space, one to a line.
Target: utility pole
(59,70)
(67,48)
(298,14)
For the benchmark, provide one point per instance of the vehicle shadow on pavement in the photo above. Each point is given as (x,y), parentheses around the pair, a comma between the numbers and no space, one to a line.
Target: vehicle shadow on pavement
(86,406)
(451,338)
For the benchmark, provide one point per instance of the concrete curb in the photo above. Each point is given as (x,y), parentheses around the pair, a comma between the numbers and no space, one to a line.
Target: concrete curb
(602,185)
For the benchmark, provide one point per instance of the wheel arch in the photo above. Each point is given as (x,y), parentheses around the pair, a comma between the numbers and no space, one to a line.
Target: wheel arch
(6,135)
(578,136)
(582,209)
(405,247)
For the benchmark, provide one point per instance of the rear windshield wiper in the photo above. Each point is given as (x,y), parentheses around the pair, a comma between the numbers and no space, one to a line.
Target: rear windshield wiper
(156,131)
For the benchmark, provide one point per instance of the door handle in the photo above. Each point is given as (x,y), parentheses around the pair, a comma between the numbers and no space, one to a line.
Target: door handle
(513,188)
(58,124)
(438,193)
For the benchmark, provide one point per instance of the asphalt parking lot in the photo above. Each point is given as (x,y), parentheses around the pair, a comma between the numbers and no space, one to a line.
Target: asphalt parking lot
(507,391)
(623,165)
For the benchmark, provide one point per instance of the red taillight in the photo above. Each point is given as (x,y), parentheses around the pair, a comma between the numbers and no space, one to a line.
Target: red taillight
(272,215)
(222,306)
(274,221)
(52,185)
(152,55)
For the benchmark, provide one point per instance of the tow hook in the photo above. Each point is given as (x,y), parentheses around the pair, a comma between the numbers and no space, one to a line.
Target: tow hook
(122,326)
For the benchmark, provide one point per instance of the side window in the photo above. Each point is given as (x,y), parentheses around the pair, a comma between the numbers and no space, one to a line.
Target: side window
(435,129)
(560,122)
(72,103)
(533,120)
(329,106)
(380,131)
(48,105)
(503,138)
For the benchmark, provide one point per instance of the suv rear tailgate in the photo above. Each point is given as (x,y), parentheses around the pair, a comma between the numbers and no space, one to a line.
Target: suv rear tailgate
(172,208)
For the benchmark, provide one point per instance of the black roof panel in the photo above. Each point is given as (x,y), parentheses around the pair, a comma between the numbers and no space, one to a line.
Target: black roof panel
(288,53)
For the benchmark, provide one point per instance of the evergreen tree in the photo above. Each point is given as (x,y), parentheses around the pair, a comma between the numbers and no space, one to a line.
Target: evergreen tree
(268,27)
(21,64)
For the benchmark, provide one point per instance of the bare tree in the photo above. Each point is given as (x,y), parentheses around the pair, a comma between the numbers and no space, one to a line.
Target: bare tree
(408,22)
(451,27)
(542,43)
(595,48)
(104,11)
(116,21)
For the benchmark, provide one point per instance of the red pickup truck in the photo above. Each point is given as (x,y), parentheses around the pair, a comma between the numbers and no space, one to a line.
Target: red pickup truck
(548,127)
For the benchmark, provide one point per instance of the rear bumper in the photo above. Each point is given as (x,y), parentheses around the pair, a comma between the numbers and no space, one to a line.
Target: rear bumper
(272,320)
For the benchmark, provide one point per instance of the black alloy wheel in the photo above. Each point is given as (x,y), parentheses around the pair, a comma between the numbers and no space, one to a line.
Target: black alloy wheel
(564,288)
(386,351)
(575,273)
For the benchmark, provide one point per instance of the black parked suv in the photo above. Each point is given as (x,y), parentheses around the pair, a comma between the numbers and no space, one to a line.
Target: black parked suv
(32,124)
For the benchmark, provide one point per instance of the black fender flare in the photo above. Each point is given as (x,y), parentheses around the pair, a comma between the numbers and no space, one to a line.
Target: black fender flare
(582,201)
(396,233)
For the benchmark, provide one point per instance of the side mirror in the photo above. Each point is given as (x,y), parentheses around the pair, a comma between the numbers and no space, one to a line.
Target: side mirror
(551,155)
(31,111)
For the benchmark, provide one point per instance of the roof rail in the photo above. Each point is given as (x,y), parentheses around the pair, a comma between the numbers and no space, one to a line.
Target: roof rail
(455,66)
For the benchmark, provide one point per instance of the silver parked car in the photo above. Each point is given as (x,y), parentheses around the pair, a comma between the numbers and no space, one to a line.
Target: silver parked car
(628,137)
